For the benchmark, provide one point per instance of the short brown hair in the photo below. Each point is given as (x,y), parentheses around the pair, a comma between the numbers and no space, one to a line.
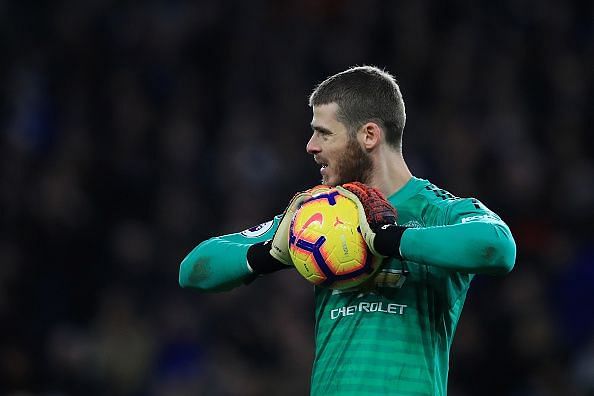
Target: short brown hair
(365,94)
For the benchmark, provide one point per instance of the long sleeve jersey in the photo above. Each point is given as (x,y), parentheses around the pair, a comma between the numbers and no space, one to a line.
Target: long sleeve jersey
(393,335)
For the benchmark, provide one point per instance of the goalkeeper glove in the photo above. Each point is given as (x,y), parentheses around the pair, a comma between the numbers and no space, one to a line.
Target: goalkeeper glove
(377,219)
(273,255)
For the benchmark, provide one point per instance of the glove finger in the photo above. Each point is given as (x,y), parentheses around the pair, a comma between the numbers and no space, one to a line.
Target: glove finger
(377,209)
(279,247)
(302,196)
(363,220)
(382,211)
(364,225)
(359,189)
(318,189)
(296,202)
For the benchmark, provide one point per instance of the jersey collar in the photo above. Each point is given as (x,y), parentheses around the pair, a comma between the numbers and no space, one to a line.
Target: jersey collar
(412,187)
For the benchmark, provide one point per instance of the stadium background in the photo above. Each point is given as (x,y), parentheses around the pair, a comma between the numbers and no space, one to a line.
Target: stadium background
(132,131)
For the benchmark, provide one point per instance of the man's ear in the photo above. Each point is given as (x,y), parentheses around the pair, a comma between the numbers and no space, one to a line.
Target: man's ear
(371,135)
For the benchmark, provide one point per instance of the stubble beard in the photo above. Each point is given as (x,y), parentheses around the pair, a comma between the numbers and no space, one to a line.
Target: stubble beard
(355,165)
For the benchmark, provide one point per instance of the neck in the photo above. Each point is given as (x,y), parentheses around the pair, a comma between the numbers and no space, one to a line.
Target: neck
(390,172)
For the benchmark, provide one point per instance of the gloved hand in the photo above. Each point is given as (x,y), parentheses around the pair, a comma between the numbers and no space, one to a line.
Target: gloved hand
(377,219)
(279,248)
(273,255)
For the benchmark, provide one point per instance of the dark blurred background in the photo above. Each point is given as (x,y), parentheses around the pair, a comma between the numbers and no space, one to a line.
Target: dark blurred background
(131,131)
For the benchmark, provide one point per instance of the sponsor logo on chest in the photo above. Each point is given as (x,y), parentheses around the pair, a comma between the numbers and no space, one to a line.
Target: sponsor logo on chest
(368,307)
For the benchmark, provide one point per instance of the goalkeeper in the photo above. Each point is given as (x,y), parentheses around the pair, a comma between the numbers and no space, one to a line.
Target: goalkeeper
(433,244)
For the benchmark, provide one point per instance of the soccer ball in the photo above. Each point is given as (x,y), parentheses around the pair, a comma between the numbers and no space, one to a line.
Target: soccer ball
(325,242)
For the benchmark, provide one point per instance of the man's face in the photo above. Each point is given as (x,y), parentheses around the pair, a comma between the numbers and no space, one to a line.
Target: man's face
(341,156)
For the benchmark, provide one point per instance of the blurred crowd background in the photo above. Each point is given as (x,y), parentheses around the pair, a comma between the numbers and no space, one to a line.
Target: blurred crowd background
(132,131)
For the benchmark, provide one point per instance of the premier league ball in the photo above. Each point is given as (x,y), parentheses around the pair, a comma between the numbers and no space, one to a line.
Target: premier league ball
(326,245)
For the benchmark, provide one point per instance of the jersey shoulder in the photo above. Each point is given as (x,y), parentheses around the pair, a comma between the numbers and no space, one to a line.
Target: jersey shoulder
(441,207)
(438,196)
(428,206)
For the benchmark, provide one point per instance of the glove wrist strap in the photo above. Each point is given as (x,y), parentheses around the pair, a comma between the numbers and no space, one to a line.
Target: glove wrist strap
(387,240)
(260,260)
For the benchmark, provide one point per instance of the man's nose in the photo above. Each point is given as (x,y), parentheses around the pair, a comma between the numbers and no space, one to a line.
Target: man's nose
(312,146)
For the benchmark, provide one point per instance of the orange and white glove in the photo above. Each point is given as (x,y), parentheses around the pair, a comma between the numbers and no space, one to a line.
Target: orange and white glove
(273,254)
(377,219)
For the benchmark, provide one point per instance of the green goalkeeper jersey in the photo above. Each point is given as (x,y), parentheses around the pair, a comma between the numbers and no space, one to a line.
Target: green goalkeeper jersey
(391,336)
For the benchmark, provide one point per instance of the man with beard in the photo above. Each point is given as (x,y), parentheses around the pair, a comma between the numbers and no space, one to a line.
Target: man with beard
(393,335)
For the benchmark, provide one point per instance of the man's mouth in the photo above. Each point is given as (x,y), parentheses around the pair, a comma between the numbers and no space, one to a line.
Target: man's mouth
(323,166)
(322,163)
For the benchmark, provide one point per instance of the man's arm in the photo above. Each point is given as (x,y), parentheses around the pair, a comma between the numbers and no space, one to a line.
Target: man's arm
(474,239)
(477,241)
(223,263)
(220,263)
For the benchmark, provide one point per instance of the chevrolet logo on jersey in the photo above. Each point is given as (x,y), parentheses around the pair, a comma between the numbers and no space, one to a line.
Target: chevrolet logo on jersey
(392,278)
(391,308)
